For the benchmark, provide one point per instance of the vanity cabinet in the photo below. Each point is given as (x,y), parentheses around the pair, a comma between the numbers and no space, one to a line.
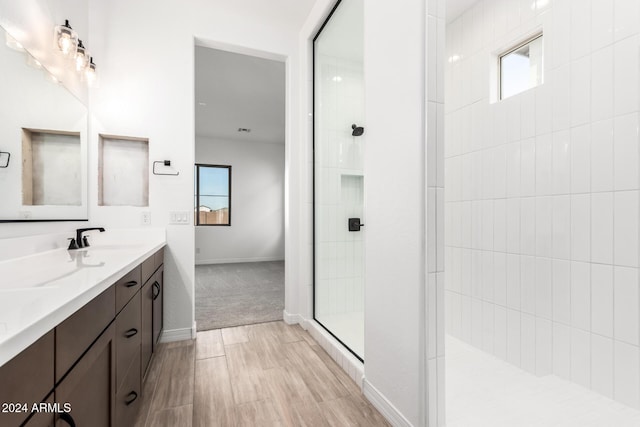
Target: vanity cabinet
(152,306)
(26,379)
(90,386)
(94,360)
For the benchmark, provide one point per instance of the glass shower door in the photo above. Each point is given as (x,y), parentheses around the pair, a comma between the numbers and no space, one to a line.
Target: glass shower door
(338,176)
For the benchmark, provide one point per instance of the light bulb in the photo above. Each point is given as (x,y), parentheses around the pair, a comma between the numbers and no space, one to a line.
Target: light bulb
(82,57)
(65,39)
(90,75)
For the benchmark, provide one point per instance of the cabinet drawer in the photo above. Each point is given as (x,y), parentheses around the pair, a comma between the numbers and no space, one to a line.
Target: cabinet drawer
(148,267)
(128,333)
(127,287)
(75,335)
(27,378)
(128,396)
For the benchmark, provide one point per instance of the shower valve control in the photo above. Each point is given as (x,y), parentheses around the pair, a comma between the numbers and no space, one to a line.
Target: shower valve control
(355,224)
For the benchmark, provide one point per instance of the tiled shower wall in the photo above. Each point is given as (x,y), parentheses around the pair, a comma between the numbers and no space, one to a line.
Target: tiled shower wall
(339,187)
(541,221)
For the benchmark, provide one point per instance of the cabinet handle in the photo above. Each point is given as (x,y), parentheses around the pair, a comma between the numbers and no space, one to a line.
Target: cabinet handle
(131,397)
(131,284)
(131,332)
(67,418)
(156,287)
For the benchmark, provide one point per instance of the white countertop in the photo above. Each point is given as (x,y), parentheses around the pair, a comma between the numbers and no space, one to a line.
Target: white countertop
(39,291)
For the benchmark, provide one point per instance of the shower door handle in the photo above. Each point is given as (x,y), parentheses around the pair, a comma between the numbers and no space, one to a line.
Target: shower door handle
(355,224)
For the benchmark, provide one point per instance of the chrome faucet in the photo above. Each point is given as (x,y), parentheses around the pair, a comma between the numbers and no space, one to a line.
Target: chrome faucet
(82,241)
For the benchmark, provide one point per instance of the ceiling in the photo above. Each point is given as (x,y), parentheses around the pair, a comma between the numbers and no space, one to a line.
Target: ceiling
(239,91)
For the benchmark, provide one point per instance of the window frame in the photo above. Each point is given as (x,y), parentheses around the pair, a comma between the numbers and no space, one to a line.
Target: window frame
(525,42)
(197,207)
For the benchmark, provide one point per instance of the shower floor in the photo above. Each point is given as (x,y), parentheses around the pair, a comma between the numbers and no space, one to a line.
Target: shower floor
(348,327)
(482,390)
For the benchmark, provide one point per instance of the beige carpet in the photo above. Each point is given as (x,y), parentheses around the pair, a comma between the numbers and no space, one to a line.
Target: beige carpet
(239,294)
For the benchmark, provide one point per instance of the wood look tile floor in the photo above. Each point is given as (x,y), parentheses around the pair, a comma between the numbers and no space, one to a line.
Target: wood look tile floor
(269,374)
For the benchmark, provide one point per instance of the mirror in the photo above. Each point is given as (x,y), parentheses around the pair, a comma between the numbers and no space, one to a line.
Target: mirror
(43,142)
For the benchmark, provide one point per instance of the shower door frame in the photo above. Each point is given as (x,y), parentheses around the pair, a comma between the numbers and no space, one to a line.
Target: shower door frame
(313,178)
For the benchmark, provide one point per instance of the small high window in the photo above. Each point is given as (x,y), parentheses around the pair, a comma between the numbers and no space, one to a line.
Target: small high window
(521,67)
(213,195)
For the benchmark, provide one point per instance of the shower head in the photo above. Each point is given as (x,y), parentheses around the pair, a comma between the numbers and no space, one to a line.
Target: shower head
(357,130)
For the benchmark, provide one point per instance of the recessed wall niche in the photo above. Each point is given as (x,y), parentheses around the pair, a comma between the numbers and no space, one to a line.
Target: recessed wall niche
(123,171)
(51,168)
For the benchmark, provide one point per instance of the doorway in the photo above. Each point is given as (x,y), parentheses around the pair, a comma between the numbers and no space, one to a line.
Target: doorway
(239,188)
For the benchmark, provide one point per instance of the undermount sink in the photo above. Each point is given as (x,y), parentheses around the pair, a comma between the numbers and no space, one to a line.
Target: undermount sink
(45,270)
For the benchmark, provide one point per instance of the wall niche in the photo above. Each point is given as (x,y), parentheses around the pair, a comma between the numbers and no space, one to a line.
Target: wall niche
(51,168)
(123,171)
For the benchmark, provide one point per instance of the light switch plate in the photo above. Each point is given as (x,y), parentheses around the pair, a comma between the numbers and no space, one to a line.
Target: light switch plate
(179,218)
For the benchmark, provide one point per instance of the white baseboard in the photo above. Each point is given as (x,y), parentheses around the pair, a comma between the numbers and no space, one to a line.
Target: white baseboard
(385,407)
(343,357)
(237,260)
(178,334)
(293,319)
(350,364)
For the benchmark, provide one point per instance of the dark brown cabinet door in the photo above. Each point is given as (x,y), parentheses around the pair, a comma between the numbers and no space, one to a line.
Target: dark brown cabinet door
(77,332)
(26,379)
(158,298)
(129,395)
(147,324)
(42,419)
(89,388)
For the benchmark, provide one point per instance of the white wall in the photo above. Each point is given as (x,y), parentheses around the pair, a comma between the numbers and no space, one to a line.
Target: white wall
(149,93)
(257,203)
(542,193)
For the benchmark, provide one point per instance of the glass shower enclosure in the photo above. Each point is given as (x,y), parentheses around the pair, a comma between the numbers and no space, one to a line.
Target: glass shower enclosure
(338,194)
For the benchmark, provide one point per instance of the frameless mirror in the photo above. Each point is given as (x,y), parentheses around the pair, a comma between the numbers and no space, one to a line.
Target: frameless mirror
(43,142)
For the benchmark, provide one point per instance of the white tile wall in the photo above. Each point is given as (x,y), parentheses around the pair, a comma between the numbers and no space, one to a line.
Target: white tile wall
(542,200)
(339,196)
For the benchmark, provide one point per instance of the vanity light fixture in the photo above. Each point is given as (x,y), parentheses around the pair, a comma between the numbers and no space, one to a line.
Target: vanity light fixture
(14,44)
(90,74)
(82,57)
(66,39)
(33,62)
(51,78)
